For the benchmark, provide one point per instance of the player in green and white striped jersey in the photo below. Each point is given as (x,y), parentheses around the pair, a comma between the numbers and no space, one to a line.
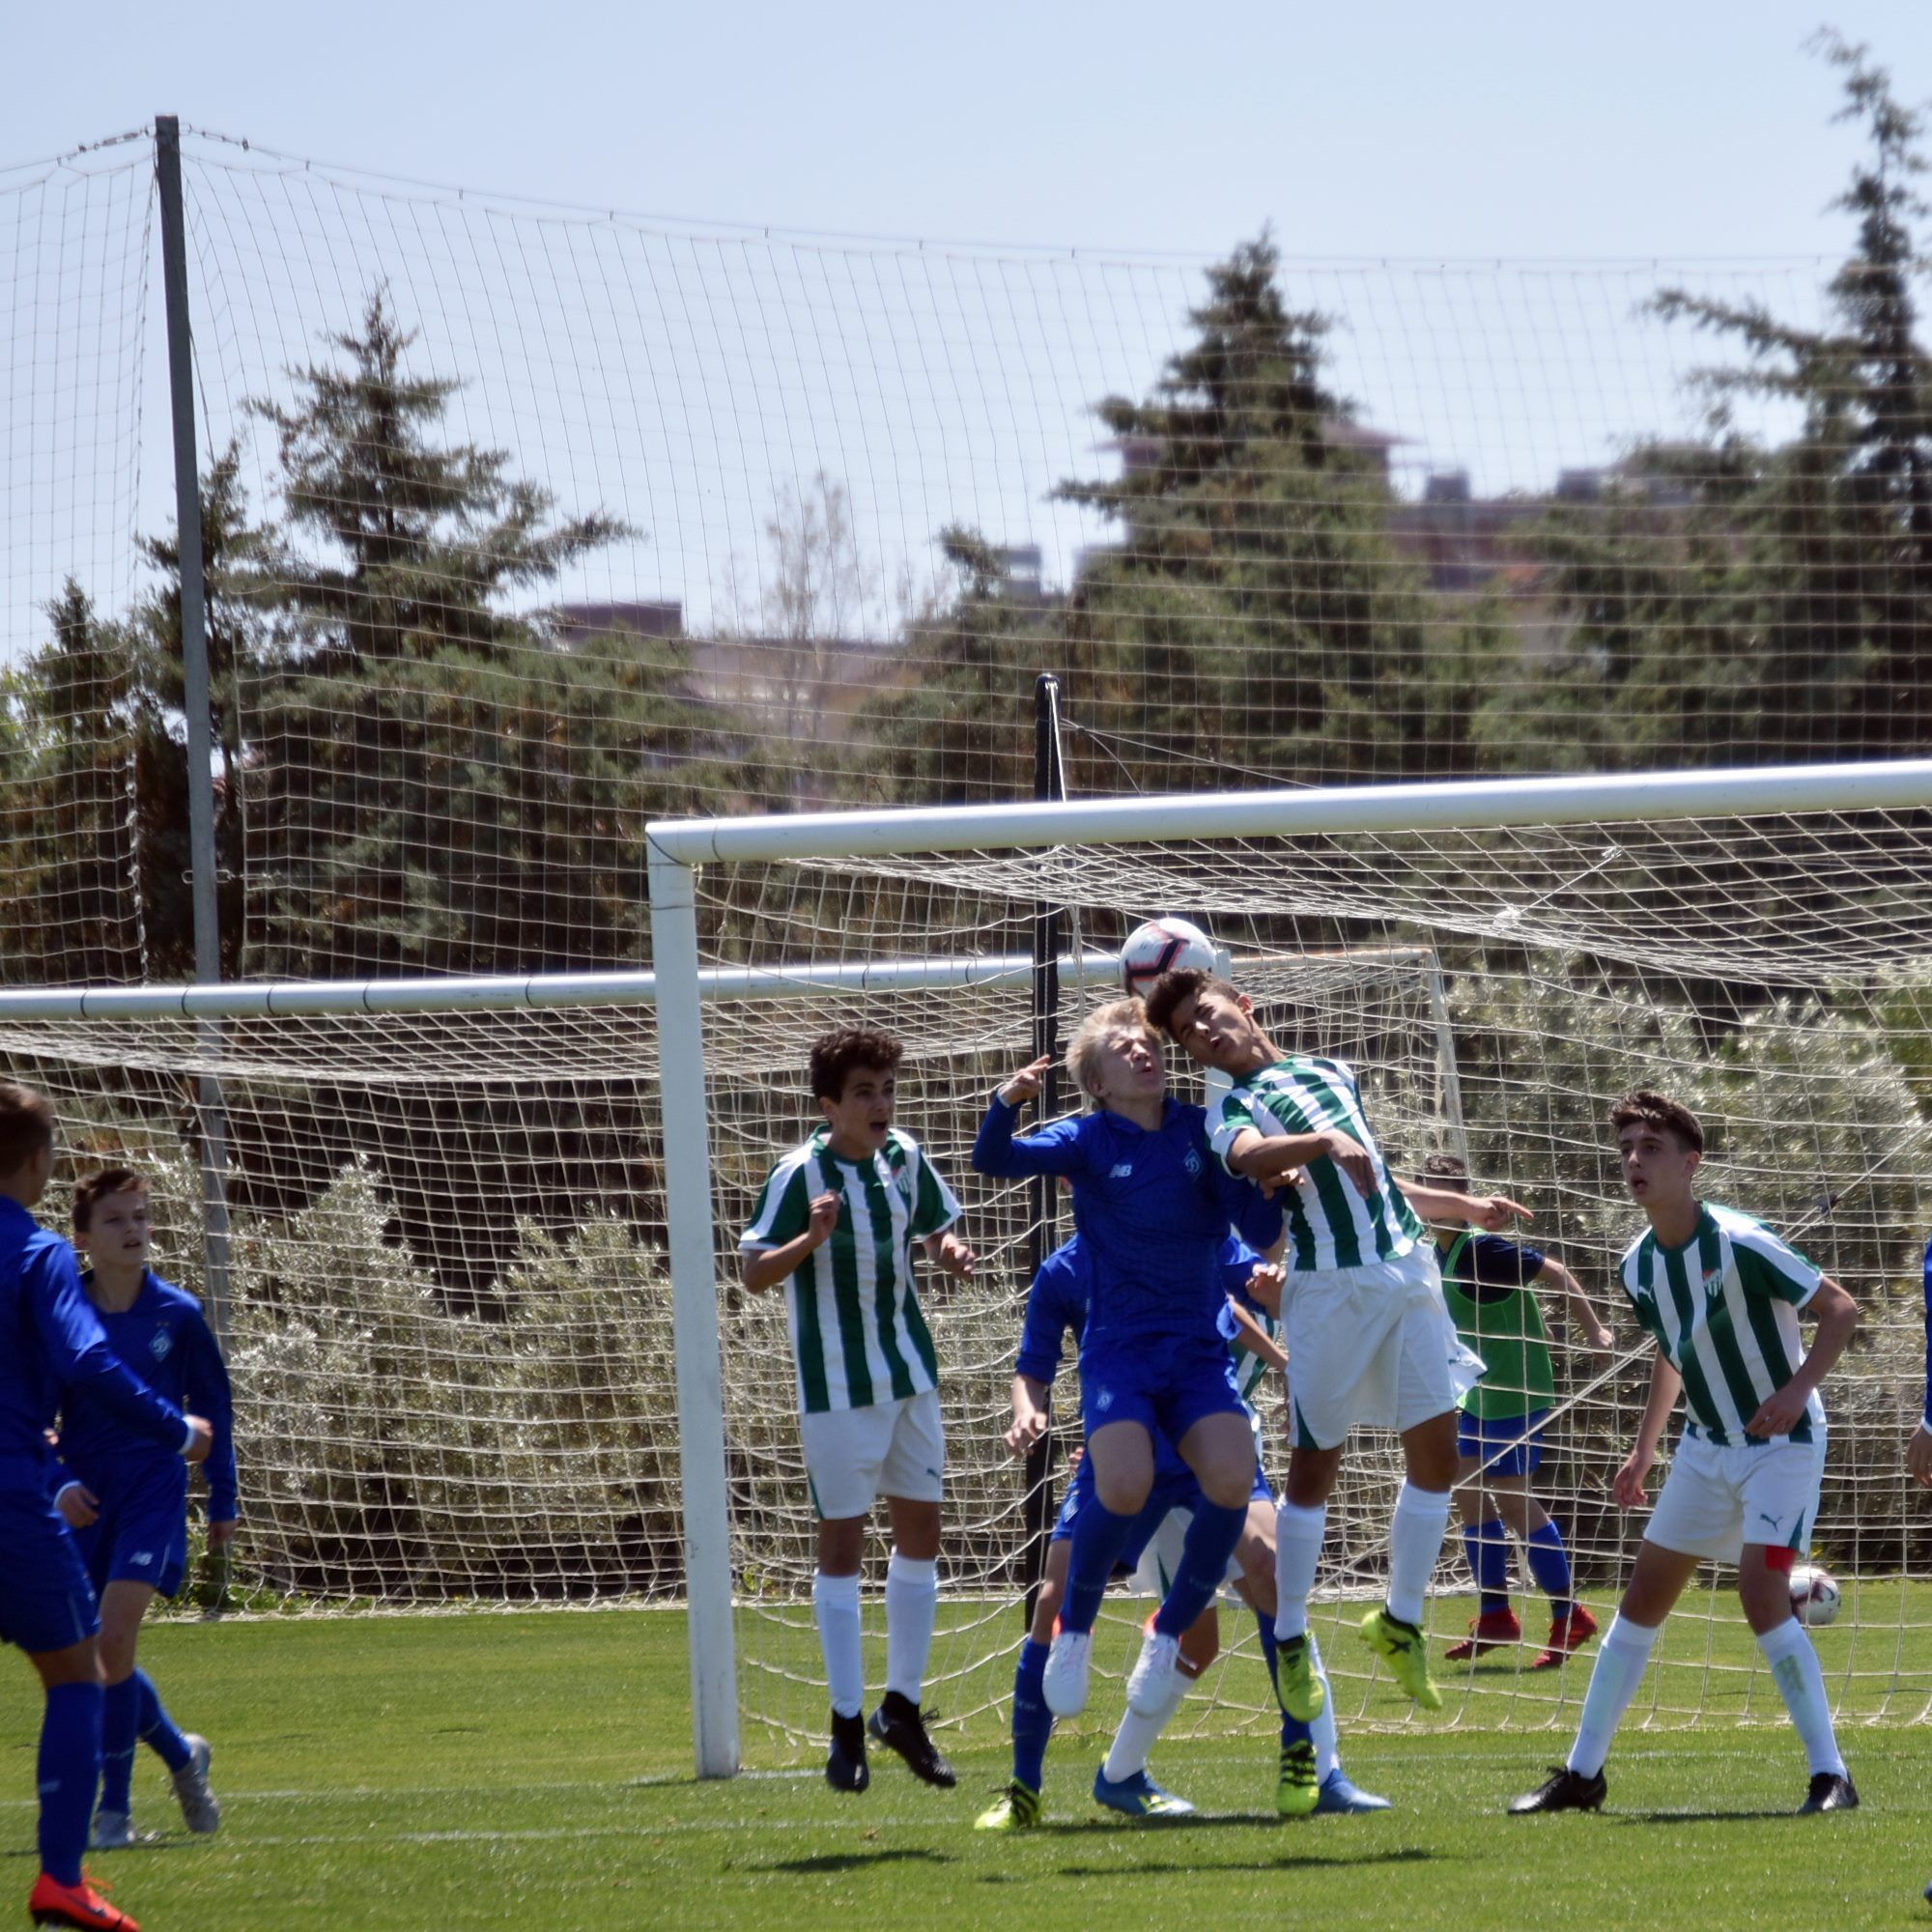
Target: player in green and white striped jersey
(1720,1294)
(1368,1333)
(835,1223)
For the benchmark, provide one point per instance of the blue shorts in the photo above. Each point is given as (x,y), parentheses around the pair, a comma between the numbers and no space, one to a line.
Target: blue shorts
(1514,1443)
(45,1601)
(1165,1386)
(141,1537)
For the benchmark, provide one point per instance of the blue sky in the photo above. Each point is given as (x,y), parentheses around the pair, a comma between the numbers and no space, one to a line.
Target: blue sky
(1400,129)
(1483,198)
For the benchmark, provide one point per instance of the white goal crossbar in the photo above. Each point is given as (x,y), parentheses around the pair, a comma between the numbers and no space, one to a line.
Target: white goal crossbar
(678,847)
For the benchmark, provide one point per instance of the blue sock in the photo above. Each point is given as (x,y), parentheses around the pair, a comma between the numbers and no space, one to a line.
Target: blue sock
(119,1711)
(69,1771)
(1211,1540)
(157,1728)
(1292,1730)
(1032,1721)
(1550,1564)
(1487,1545)
(1098,1538)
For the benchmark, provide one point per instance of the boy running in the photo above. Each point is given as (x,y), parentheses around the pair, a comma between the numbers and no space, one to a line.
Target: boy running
(1368,1335)
(50,1343)
(1488,1284)
(1720,1294)
(1152,1211)
(126,1498)
(836,1221)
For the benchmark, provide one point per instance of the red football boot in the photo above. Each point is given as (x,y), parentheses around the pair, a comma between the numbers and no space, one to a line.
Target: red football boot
(1488,1632)
(55,1904)
(1566,1635)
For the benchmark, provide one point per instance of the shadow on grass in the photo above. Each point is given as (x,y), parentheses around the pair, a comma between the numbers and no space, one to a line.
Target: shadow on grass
(845,1861)
(1412,1855)
(1688,1816)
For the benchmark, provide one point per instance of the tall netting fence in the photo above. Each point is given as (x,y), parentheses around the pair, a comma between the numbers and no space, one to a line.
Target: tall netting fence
(525,524)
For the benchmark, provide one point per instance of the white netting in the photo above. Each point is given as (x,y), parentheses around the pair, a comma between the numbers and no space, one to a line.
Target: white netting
(451,1320)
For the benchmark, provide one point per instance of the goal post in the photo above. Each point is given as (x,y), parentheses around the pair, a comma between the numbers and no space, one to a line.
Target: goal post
(1015,832)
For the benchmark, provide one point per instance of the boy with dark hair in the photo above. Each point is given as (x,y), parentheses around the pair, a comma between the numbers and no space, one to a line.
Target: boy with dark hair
(1720,1294)
(125,1501)
(1488,1285)
(1369,1336)
(50,1343)
(835,1222)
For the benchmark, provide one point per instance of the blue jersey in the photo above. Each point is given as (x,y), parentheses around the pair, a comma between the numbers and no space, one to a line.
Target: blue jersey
(1057,1306)
(51,1341)
(1152,1209)
(164,1331)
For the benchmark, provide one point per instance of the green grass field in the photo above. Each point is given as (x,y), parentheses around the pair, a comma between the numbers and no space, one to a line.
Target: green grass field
(535,1769)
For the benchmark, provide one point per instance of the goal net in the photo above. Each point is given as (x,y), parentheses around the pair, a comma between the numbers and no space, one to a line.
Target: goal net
(452,1323)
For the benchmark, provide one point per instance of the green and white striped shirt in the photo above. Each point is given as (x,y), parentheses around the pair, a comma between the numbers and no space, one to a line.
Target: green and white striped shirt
(1330,1225)
(1723,1308)
(857,1334)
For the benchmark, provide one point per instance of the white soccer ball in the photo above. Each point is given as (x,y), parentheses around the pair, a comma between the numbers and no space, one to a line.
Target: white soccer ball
(1814,1595)
(1163,945)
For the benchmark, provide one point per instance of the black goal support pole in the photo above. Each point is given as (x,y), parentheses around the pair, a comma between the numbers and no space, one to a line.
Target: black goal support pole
(1049,782)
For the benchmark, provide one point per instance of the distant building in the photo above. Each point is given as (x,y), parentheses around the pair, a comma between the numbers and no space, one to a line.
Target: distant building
(647,617)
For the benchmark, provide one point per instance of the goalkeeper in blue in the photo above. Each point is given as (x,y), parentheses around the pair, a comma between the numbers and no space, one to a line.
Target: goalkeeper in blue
(1153,1210)
(1311,1778)
(126,1498)
(54,1348)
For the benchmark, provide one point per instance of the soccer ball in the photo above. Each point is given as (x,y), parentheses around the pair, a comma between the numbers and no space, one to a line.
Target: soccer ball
(1814,1595)
(1163,945)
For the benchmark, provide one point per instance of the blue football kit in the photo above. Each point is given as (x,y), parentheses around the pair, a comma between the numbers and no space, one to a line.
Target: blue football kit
(52,1343)
(1154,1208)
(141,1530)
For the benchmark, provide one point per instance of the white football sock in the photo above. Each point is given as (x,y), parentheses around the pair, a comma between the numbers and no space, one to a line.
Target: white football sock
(835,1604)
(1327,1753)
(1621,1660)
(1135,1738)
(1800,1683)
(1297,1554)
(912,1603)
(1416,1531)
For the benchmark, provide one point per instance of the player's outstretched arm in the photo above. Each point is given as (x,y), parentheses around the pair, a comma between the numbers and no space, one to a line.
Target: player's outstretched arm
(1253,1339)
(766,1267)
(1263,1158)
(998,1151)
(1837,1322)
(1584,1320)
(1491,1212)
(209,1393)
(1665,1386)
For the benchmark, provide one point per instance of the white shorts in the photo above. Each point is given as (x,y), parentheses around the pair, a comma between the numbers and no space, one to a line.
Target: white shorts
(855,1456)
(1715,1500)
(1154,1573)
(1370,1347)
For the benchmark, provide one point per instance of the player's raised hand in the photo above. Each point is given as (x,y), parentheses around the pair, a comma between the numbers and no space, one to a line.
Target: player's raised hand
(1024,1085)
(1352,1158)
(821,1218)
(1629,1486)
(201,1438)
(78,1505)
(1918,1457)
(1495,1212)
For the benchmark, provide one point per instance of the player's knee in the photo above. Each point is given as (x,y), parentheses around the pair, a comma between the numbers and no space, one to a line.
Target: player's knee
(1124,1492)
(1228,1487)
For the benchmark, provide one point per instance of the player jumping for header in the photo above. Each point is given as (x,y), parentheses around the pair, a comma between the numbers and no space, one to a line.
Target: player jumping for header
(1369,1341)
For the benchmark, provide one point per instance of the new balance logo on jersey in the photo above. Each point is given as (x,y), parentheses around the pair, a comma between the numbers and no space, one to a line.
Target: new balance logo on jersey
(1123,1171)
